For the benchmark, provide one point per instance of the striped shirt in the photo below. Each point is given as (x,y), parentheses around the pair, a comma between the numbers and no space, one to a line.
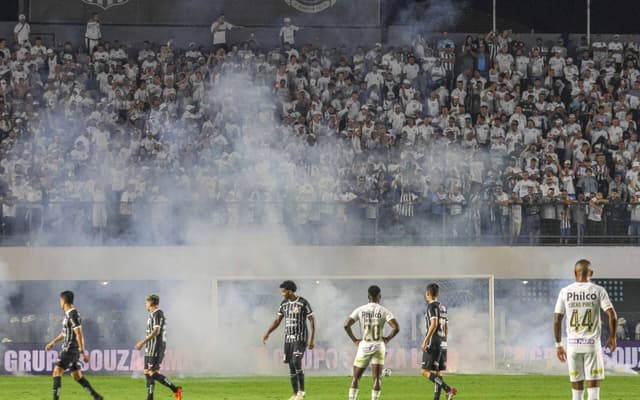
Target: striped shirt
(438,311)
(406,205)
(156,346)
(70,322)
(295,314)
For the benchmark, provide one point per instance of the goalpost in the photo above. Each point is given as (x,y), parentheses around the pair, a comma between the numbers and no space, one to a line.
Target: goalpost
(470,299)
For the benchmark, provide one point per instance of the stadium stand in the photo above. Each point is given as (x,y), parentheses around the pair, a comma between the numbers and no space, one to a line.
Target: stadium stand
(486,141)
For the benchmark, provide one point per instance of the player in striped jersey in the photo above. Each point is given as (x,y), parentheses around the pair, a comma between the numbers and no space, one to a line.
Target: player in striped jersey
(583,302)
(434,345)
(72,348)
(295,310)
(155,344)
(372,346)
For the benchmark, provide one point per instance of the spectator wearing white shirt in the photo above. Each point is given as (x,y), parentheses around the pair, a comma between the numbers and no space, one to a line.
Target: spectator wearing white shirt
(93,33)
(288,32)
(219,30)
(22,30)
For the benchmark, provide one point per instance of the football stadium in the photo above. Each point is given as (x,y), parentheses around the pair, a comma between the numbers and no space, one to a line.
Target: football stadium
(319,199)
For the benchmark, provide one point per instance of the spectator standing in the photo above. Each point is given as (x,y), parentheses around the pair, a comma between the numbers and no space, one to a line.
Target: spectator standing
(219,30)
(531,203)
(288,32)
(615,212)
(594,217)
(500,213)
(22,30)
(93,33)
(550,227)
(456,203)
(515,210)
(634,218)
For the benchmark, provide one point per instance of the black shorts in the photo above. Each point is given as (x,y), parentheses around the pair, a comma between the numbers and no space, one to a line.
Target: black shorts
(153,363)
(434,359)
(294,350)
(69,360)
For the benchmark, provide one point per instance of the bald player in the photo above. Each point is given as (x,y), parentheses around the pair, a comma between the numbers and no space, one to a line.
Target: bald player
(583,301)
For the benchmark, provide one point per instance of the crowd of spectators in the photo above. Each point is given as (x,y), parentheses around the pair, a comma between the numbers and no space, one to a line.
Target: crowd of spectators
(487,139)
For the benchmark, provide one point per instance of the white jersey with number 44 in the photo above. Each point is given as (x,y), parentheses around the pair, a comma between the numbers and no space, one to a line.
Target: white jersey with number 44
(582,303)
(372,317)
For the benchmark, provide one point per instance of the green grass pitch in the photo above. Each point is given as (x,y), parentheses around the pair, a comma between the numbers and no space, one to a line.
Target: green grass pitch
(517,387)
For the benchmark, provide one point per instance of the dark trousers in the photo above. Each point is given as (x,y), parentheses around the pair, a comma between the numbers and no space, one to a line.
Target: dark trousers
(594,231)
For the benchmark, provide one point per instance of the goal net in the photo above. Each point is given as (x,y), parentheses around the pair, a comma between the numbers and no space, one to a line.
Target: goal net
(245,308)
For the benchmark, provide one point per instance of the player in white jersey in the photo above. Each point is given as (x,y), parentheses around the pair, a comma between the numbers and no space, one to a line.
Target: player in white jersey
(582,302)
(371,348)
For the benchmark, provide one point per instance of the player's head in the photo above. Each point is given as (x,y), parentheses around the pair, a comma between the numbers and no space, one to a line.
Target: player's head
(66,298)
(288,289)
(374,293)
(432,292)
(583,270)
(152,301)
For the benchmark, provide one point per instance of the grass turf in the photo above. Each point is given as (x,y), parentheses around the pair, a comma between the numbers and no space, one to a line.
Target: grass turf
(520,387)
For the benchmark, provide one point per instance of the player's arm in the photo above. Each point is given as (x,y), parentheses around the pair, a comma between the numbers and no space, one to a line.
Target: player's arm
(613,326)
(80,338)
(274,325)
(557,334)
(53,342)
(347,328)
(395,330)
(154,333)
(433,326)
(312,339)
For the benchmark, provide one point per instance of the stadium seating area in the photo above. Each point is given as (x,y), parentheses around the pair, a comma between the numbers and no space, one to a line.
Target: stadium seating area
(486,141)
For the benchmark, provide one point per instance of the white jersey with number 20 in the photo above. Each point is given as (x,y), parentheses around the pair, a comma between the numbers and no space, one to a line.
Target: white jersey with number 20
(582,303)
(372,317)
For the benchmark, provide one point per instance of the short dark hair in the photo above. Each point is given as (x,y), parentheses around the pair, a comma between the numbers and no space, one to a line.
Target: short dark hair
(433,289)
(154,299)
(374,291)
(289,285)
(67,296)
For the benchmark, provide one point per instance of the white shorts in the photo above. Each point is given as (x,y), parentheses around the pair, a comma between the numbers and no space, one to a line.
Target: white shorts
(369,353)
(585,366)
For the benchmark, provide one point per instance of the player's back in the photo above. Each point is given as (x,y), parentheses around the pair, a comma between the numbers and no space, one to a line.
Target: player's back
(372,317)
(582,302)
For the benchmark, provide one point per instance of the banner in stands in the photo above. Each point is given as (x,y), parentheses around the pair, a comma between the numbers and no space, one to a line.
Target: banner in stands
(522,358)
(31,359)
(318,13)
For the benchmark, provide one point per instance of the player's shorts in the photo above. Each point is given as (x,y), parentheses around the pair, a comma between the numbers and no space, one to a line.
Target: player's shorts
(370,353)
(69,360)
(435,359)
(585,366)
(294,351)
(153,363)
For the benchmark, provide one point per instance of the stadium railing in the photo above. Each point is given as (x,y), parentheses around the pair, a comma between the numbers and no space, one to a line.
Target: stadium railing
(304,223)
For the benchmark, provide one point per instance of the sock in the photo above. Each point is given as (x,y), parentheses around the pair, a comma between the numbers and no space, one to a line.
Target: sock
(438,380)
(353,394)
(593,393)
(150,387)
(87,386)
(577,394)
(437,390)
(294,383)
(165,381)
(294,378)
(300,374)
(57,383)
(375,394)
